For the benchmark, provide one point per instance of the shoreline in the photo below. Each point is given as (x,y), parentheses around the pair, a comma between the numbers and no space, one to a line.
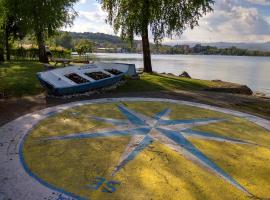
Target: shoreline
(237,69)
(224,86)
(28,96)
(158,54)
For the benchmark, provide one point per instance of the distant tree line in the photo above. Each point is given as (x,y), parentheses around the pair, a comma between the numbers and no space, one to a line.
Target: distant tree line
(70,40)
(92,42)
(206,50)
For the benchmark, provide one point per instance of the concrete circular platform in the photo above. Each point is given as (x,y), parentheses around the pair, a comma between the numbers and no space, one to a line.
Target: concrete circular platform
(135,148)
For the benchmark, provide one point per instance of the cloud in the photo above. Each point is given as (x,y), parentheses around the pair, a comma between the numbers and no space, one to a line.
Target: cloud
(91,21)
(232,20)
(240,20)
(259,2)
(225,5)
(82,1)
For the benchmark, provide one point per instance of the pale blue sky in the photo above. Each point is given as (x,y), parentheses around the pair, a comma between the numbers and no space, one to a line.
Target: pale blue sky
(232,21)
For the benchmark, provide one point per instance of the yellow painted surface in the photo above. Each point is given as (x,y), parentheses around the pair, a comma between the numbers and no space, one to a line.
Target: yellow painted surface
(240,129)
(158,172)
(249,165)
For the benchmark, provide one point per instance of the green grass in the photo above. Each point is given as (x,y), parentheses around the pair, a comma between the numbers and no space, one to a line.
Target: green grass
(19,79)
(261,108)
(157,82)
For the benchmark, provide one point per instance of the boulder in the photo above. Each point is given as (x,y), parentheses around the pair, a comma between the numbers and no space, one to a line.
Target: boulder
(184,75)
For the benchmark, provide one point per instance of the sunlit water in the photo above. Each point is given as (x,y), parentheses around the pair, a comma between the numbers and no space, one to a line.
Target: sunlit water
(251,71)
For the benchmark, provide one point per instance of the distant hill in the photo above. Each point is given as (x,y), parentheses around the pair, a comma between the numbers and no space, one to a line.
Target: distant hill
(102,38)
(98,37)
(250,46)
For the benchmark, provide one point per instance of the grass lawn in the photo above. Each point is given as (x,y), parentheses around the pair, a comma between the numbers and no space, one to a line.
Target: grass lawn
(19,79)
(158,82)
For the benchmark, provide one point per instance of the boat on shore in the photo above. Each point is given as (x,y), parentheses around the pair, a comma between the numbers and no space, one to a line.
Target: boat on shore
(79,79)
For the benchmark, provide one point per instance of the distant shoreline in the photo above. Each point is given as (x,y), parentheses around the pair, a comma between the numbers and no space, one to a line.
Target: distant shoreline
(155,54)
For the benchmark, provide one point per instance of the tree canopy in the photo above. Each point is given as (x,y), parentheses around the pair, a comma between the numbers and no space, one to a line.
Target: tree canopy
(45,17)
(13,25)
(65,40)
(164,18)
(84,46)
(39,17)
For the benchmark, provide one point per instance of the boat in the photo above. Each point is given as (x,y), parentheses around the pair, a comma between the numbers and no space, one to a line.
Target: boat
(79,79)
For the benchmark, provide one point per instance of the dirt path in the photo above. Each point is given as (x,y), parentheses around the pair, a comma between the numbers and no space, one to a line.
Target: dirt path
(13,108)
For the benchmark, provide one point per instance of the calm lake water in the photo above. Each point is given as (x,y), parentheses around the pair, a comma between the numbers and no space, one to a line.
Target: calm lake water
(251,71)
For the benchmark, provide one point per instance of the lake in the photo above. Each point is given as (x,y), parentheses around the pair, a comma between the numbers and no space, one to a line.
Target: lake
(251,71)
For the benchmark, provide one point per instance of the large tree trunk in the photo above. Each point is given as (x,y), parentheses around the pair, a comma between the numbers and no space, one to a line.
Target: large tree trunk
(7,35)
(43,57)
(146,52)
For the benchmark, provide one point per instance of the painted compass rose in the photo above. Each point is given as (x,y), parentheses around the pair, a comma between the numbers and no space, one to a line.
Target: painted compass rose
(173,133)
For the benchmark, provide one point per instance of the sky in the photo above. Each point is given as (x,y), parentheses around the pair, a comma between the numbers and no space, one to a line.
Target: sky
(231,21)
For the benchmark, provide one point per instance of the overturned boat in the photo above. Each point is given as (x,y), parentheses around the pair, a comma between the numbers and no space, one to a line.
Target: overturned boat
(79,79)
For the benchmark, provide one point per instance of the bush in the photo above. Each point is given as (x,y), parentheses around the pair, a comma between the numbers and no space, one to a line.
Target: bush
(32,53)
(61,53)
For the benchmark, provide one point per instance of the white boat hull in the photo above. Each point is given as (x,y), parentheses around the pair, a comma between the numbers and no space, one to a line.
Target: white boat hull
(78,79)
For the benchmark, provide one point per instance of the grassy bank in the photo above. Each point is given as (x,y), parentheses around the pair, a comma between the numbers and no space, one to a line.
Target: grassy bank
(19,79)
(158,82)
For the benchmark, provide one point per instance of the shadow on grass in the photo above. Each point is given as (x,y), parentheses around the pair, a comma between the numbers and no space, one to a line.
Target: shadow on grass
(19,79)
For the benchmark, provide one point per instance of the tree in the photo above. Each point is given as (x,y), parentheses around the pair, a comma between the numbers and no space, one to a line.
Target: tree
(9,26)
(2,58)
(64,40)
(13,27)
(84,46)
(11,23)
(163,17)
(45,17)
(2,19)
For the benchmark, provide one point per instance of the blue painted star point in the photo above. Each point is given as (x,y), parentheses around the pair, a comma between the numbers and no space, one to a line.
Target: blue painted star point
(145,130)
